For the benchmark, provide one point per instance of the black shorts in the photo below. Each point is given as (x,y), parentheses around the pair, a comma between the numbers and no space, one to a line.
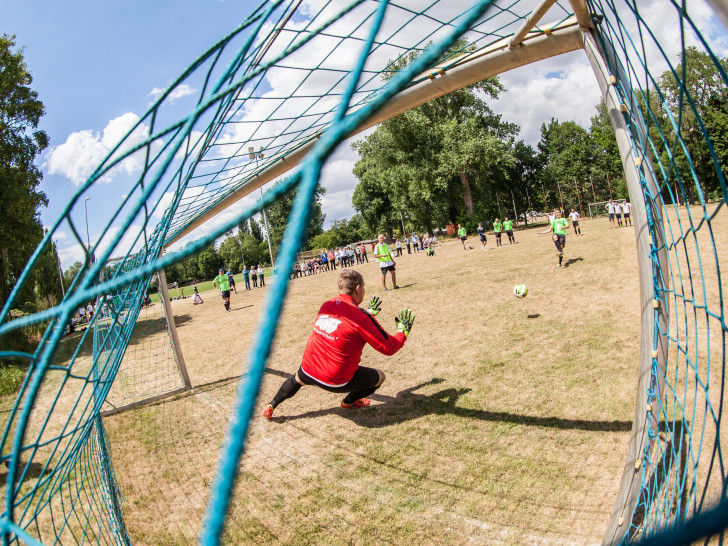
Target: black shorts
(231,282)
(364,378)
(575,223)
(562,238)
(463,238)
(225,294)
(387,268)
(626,214)
(611,216)
(498,234)
(482,238)
(509,233)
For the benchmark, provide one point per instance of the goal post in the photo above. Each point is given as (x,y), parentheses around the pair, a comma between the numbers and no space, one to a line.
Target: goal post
(597,209)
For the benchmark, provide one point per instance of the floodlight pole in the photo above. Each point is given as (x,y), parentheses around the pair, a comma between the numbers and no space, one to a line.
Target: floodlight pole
(88,239)
(253,155)
(240,236)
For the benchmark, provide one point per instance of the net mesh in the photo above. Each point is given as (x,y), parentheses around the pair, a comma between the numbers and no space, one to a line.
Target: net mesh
(334,61)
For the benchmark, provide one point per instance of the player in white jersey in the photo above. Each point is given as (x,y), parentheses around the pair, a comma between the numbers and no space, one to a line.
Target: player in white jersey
(574,217)
(626,211)
(610,209)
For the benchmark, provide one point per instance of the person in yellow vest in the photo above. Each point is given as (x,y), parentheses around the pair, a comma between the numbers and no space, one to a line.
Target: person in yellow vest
(463,236)
(386,263)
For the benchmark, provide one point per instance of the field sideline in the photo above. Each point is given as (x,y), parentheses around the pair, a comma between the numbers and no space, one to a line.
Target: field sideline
(501,420)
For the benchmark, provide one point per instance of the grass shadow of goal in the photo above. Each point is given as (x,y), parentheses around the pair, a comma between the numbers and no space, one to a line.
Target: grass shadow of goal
(407,405)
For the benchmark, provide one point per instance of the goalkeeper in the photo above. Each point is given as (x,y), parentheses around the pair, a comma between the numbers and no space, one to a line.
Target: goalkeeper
(332,354)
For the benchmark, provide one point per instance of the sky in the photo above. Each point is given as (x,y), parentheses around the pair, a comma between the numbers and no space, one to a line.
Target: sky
(97,66)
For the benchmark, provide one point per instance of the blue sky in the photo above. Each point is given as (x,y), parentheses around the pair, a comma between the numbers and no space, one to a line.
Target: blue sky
(96,64)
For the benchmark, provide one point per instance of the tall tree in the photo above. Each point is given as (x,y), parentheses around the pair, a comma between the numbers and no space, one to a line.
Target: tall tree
(698,78)
(20,142)
(437,161)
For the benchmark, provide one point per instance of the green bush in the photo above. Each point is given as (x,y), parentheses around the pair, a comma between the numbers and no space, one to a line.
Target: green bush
(11,378)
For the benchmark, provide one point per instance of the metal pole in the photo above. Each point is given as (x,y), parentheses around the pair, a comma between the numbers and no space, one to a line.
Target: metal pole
(60,271)
(515,212)
(88,239)
(561,197)
(591,179)
(401,217)
(653,271)
(240,237)
(169,316)
(267,234)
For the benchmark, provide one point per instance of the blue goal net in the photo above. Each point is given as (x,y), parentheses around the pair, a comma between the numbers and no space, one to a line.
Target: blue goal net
(666,90)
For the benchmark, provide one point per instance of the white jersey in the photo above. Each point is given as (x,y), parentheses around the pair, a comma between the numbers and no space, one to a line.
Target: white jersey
(574,216)
(610,207)
(626,207)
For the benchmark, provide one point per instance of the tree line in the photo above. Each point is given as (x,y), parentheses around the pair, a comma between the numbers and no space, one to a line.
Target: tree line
(452,160)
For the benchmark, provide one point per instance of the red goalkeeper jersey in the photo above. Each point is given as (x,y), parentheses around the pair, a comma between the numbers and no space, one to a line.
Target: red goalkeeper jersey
(339,334)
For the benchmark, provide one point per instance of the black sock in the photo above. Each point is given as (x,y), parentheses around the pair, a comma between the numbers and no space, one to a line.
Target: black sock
(227,305)
(561,259)
(289,388)
(357,395)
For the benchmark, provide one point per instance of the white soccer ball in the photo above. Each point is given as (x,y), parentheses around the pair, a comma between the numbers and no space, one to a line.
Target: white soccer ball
(520,290)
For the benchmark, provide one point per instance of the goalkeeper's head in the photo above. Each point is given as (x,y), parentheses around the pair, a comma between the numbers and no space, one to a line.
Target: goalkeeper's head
(351,283)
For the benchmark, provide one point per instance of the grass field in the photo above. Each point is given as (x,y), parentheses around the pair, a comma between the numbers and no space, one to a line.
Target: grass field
(207,286)
(501,420)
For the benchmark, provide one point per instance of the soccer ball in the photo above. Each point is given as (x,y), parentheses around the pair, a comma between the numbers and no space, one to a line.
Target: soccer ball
(520,290)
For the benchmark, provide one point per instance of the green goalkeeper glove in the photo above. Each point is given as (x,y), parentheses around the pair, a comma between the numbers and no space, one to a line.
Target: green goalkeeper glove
(404,321)
(375,305)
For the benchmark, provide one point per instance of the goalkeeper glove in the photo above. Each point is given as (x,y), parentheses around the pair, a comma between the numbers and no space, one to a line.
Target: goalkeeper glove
(375,305)
(404,321)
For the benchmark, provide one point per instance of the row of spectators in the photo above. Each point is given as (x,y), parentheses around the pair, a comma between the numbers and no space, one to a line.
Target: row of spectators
(330,260)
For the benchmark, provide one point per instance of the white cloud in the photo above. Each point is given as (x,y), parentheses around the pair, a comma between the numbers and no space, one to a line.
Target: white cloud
(84,150)
(178,92)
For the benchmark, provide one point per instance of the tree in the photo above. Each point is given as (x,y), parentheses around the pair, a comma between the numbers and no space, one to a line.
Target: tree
(20,143)
(209,261)
(437,161)
(698,77)
(47,276)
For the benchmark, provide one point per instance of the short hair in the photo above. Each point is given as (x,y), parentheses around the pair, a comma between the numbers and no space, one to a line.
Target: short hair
(349,279)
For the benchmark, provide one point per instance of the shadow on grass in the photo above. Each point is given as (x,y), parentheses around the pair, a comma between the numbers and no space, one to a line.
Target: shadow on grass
(573,261)
(401,286)
(407,405)
(535,315)
(32,470)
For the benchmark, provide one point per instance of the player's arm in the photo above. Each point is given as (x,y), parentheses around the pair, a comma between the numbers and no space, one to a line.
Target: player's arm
(549,230)
(373,333)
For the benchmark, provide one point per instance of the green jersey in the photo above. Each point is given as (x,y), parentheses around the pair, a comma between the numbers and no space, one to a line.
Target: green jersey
(559,224)
(461,232)
(508,225)
(383,252)
(497,226)
(221,281)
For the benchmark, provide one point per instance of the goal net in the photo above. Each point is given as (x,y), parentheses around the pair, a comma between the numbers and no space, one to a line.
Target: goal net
(334,62)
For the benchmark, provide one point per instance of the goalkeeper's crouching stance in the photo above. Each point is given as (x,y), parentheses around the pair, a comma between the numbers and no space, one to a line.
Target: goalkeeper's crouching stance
(332,354)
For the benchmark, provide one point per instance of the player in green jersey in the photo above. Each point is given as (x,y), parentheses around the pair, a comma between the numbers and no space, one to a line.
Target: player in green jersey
(497,228)
(221,282)
(386,263)
(463,237)
(508,228)
(558,225)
